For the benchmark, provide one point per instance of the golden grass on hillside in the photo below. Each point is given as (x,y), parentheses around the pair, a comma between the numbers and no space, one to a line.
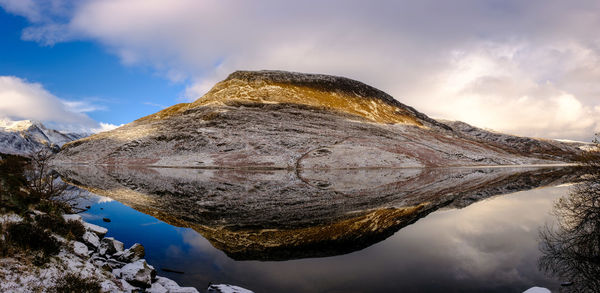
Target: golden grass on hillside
(235,90)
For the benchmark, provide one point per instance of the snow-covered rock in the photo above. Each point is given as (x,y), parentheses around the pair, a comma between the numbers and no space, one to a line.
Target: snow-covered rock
(184,290)
(80,249)
(100,231)
(128,287)
(157,288)
(72,217)
(134,253)
(108,286)
(222,288)
(167,283)
(537,290)
(138,273)
(91,239)
(110,246)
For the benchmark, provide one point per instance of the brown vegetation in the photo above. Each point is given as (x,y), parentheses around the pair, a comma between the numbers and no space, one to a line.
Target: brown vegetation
(75,283)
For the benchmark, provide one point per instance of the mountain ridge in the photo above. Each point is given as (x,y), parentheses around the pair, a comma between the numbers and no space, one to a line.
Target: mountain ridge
(24,137)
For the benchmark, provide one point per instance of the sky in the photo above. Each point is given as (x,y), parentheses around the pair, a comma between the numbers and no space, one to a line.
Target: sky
(522,67)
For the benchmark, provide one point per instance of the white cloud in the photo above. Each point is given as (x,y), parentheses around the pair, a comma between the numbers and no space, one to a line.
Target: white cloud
(492,87)
(20,99)
(104,127)
(538,56)
(26,8)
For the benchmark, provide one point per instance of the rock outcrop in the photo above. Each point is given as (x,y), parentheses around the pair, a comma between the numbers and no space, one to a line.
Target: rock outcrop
(283,120)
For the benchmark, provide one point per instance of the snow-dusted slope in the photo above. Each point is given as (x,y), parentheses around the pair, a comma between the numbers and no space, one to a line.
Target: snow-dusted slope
(547,148)
(25,137)
(285,120)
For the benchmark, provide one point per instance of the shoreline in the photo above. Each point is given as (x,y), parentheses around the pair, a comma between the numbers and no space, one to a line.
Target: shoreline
(97,258)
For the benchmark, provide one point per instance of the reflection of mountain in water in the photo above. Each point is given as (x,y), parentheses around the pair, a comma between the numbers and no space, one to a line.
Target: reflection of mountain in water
(278,215)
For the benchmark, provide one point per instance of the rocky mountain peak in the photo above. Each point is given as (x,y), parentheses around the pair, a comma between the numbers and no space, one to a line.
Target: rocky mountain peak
(24,137)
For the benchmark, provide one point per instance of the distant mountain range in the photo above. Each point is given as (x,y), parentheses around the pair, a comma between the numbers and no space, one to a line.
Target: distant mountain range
(287,120)
(26,136)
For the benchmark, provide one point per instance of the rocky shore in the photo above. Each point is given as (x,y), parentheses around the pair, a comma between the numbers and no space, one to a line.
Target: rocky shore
(96,258)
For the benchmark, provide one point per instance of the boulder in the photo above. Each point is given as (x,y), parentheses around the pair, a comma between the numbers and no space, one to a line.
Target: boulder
(91,239)
(128,288)
(134,253)
(80,249)
(114,264)
(72,217)
(157,288)
(167,283)
(100,231)
(138,273)
(110,246)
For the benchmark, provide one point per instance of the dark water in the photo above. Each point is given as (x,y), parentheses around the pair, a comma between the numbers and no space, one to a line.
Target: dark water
(486,240)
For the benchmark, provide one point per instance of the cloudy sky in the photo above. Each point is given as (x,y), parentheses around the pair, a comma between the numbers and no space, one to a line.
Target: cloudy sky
(523,67)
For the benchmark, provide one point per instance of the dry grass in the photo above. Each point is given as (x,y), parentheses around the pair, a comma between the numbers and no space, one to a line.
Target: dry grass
(235,90)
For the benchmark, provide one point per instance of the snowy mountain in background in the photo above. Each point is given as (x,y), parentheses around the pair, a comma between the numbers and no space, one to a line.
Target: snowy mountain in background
(26,136)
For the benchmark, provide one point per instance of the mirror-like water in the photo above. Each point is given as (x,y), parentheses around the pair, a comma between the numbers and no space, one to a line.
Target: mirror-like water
(450,230)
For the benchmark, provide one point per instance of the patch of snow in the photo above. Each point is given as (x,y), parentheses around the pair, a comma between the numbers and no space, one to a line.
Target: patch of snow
(100,231)
(107,286)
(128,287)
(184,290)
(91,239)
(537,290)
(10,218)
(80,249)
(572,141)
(138,273)
(157,288)
(167,283)
(72,217)
(223,288)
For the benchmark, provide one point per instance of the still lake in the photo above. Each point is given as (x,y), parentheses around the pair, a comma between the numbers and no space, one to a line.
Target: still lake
(408,230)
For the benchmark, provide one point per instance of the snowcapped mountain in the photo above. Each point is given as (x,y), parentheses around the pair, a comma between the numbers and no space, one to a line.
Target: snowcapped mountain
(26,136)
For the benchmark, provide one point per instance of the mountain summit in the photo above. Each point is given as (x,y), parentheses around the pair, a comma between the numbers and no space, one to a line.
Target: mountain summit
(332,93)
(25,137)
(277,119)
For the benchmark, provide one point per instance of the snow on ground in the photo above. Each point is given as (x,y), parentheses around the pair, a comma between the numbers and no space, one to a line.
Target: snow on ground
(10,218)
(537,290)
(227,289)
(103,259)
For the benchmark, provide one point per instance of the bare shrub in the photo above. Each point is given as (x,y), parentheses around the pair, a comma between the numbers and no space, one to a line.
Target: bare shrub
(75,283)
(43,182)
